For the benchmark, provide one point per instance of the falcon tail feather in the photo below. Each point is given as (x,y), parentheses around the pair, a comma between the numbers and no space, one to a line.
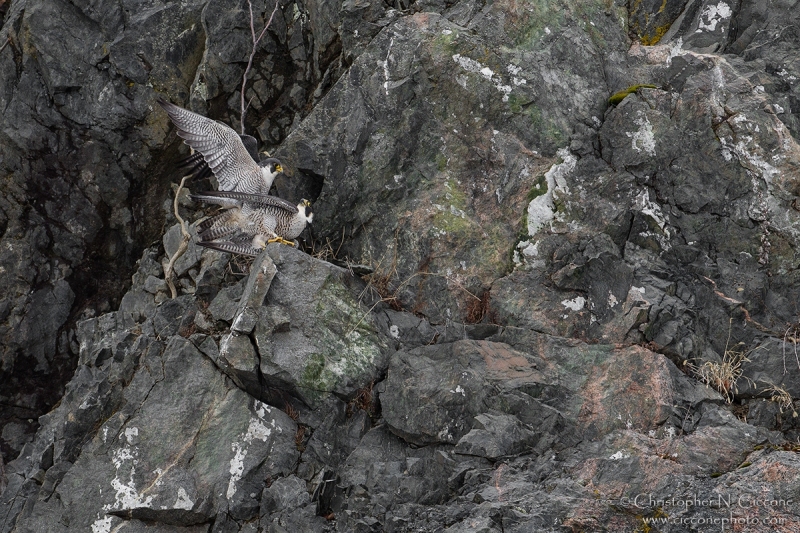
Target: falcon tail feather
(212,199)
(230,247)
(218,226)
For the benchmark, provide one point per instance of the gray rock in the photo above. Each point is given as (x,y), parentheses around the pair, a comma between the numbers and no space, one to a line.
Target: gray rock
(261,273)
(142,468)
(75,154)
(409,162)
(496,435)
(331,343)
(226,304)
(153,285)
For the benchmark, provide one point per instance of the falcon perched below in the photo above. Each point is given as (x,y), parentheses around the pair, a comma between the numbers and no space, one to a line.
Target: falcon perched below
(224,150)
(251,221)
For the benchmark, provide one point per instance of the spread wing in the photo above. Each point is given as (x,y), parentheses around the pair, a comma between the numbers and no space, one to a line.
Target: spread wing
(222,149)
(196,164)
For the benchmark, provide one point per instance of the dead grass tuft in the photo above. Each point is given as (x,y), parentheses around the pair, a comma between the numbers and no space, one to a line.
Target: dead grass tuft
(240,265)
(477,310)
(300,438)
(363,400)
(723,376)
(782,397)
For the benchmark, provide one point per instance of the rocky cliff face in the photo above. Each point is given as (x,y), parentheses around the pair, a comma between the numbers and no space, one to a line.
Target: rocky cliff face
(552,283)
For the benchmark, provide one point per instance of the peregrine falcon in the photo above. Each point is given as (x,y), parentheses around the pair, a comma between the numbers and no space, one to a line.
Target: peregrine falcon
(224,151)
(251,221)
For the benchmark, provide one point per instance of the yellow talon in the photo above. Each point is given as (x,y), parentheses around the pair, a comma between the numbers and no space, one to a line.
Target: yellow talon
(281,240)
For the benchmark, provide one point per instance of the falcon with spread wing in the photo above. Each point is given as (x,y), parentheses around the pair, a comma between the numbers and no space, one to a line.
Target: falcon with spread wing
(224,151)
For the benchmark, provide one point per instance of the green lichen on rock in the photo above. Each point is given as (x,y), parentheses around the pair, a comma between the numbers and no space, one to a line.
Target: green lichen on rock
(445,41)
(531,21)
(539,188)
(619,96)
(649,20)
(451,206)
(545,126)
(441,162)
(516,104)
(656,35)
(347,343)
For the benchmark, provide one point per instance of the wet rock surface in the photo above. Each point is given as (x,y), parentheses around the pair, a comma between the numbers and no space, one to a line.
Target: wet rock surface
(551,284)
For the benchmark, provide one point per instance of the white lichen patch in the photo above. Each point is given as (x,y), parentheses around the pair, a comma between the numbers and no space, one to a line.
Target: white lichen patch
(514,70)
(258,428)
(643,139)
(576,304)
(541,210)
(102,525)
(236,468)
(612,300)
(183,501)
(619,455)
(783,73)
(386,67)
(526,253)
(470,65)
(127,496)
(130,433)
(118,457)
(459,390)
(394,331)
(644,205)
(713,15)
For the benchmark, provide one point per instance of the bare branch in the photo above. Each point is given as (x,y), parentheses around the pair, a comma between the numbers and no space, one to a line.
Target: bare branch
(8,40)
(184,242)
(256,40)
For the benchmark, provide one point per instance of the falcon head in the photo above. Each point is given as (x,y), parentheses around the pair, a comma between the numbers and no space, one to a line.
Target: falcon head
(270,168)
(304,209)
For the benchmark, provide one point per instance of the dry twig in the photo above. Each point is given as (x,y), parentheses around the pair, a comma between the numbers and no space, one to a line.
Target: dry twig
(256,40)
(184,242)
(791,335)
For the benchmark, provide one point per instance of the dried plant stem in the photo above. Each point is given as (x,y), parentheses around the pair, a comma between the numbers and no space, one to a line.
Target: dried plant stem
(787,337)
(256,40)
(184,242)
